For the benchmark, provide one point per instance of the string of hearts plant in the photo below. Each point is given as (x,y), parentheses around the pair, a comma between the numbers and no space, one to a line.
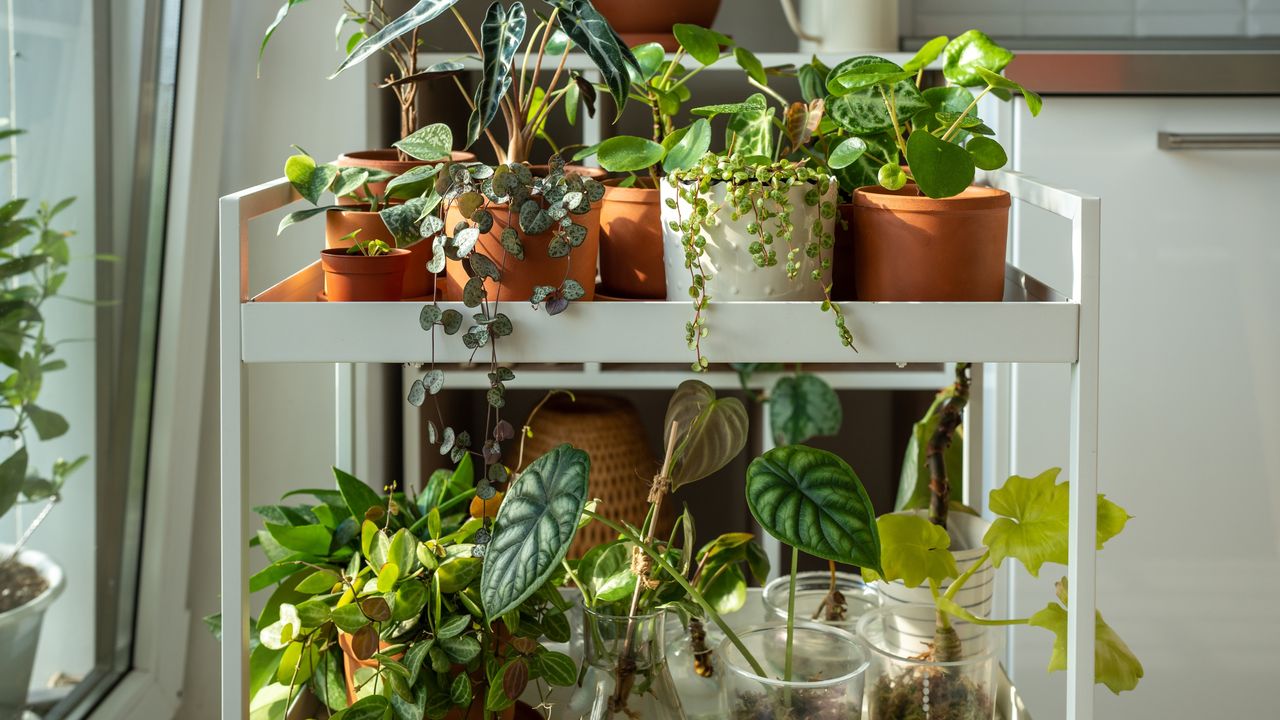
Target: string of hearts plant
(484,198)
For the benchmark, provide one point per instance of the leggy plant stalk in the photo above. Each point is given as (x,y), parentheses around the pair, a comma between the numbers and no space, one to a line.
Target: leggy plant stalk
(946,642)
(661,486)
(693,593)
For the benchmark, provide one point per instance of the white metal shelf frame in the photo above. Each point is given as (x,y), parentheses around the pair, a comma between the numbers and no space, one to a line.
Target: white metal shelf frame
(1040,325)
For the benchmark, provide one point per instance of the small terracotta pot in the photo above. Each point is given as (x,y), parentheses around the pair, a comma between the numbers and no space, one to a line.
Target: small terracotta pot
(909,247)
(340,223)
(388,159)
(351,663)
(640,23)
(631,241)
(357,278)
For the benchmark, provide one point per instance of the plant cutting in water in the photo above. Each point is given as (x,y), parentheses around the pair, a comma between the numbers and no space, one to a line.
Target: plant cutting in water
(813,501)
(879,126)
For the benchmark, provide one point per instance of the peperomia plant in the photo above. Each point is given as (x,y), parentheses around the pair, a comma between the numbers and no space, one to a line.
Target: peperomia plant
(881,126)
(1031,527)
(384,604)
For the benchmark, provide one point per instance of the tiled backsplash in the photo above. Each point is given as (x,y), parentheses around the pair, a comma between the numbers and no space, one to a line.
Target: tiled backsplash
(1094,18)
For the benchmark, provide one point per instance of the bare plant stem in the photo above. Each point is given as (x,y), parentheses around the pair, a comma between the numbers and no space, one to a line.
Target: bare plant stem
(952,416)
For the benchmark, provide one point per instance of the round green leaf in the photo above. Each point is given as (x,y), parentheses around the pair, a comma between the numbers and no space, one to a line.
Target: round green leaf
(627,153)
(692,144)
(846,153)
(535,525)
(986,153)
(803,407)
(891,176)
(813,501)
(940,168)
(967,53)
(700,43)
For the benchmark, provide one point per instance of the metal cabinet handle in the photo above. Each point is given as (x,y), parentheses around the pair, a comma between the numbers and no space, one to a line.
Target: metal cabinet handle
(1219,141)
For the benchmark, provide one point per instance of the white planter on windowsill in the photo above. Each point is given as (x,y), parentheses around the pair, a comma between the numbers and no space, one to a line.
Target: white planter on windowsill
(20,633)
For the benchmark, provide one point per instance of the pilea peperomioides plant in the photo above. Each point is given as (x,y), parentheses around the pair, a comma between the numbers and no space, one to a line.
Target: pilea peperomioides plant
(1032,528)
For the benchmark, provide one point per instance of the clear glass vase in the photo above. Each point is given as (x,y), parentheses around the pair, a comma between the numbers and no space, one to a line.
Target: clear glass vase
(626,679)
(827,674)
(907,680)
(855,598)
(696,669)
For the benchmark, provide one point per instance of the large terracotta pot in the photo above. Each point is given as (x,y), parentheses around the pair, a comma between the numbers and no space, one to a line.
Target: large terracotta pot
(338,224)
(909,247)
(640,22)
(388,159)
(357,278)
(609,430)
(351,663)
(631,241)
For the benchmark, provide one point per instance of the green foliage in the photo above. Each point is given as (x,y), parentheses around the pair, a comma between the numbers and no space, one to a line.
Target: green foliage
(500,38)
(710,431)
(1114,664)
(913,483)
(813,501)
(914,551)
(535,526)
(802,407)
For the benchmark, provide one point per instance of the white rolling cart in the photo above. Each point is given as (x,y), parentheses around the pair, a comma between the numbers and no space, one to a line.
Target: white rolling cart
(619,345)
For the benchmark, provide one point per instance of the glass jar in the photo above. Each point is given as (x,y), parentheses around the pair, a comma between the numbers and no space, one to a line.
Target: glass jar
(639,665)
(696,669)
(856,598)
(904,681)
(828,667)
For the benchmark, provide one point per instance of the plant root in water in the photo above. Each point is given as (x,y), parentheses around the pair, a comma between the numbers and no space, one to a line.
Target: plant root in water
(929,694)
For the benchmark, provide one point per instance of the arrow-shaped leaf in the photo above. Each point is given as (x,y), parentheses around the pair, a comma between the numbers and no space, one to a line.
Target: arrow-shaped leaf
(500,38)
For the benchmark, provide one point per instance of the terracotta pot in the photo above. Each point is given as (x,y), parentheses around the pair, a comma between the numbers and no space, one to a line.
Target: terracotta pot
(519,277)
(631,241)
(909,247)
(340,223)
(609,430)
(356,278)
(351,663)
(388,159)
(640,23)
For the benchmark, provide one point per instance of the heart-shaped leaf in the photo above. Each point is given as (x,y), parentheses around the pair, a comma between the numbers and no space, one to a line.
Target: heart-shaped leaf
(309,179)
(433,142)
(803,407)
(534,528)
(940,168)
(813,501)
(710,431)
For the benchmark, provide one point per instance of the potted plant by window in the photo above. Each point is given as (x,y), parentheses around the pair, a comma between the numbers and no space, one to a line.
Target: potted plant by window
(359,21)
(653,22)
(419,605)
(36,256)
(360,211)
(631,254)
(365,272)
(938,658)
(920,229)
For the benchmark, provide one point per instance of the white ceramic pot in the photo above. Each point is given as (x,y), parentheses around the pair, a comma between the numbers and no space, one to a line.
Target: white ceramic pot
(976,595)
(727,257)
(844,26)
(20,633)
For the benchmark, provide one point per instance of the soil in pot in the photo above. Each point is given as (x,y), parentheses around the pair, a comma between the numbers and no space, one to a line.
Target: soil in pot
(909,247)
(949,696)
(388,159)
(339,224)
(357,278)
(804,705)
(631,254)
(19,584)
(640,23)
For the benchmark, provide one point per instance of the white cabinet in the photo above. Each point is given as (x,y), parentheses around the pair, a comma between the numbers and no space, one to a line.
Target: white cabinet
(1190,396)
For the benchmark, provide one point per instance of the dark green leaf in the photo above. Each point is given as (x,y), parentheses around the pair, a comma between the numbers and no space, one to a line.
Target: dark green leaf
(627,153)
(309,539)
(986,153)
(700,43)
(414,182)
(753,104)
(995,80)
(358,496)
(940,168)
(424,12)
(500,36)
(271,29)
(750,64)
(813,501)
(48,424)
(402,221)
(590,31)
(710,431)
(557,668)
(803,407)
(13,471)
(535,525)
(689,149)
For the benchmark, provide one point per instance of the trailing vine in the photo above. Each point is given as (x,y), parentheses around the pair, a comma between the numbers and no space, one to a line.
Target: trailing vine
(760,192)
(512,198)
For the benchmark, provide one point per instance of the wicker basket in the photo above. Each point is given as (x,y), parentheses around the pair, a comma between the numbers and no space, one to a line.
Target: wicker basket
(608,428)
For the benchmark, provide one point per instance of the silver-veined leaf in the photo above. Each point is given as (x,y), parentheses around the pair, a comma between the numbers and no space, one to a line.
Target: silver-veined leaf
(422,13)
(590,31)
(500,37)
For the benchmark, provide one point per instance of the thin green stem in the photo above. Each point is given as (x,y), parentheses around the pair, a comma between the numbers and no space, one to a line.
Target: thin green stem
(684,584)
(791,614)
(675,62)
(950,594)
(956,125)
(586,596)
(891,103)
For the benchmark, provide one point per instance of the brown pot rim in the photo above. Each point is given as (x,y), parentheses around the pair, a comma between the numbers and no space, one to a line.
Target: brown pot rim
(390,156)
(338,260)
(646,193)
(907,199)
(583,170)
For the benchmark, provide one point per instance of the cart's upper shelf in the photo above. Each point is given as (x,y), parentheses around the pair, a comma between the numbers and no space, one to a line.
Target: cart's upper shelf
(286,323)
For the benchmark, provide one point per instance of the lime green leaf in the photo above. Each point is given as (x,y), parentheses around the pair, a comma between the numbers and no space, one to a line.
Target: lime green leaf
(1033,526)
(813,501)
(318,582)
(309,179)
(927,54)
(914,550)
(627,153)
(1034,101)
(846,153)
(803,407)
(727,590)
(891,176)
(1115,665)
(535,525)
(970,52)
(940,168)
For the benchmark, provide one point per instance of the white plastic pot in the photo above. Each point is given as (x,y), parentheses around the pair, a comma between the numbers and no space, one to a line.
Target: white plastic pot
(727,256)
(976,595)
(20,633)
